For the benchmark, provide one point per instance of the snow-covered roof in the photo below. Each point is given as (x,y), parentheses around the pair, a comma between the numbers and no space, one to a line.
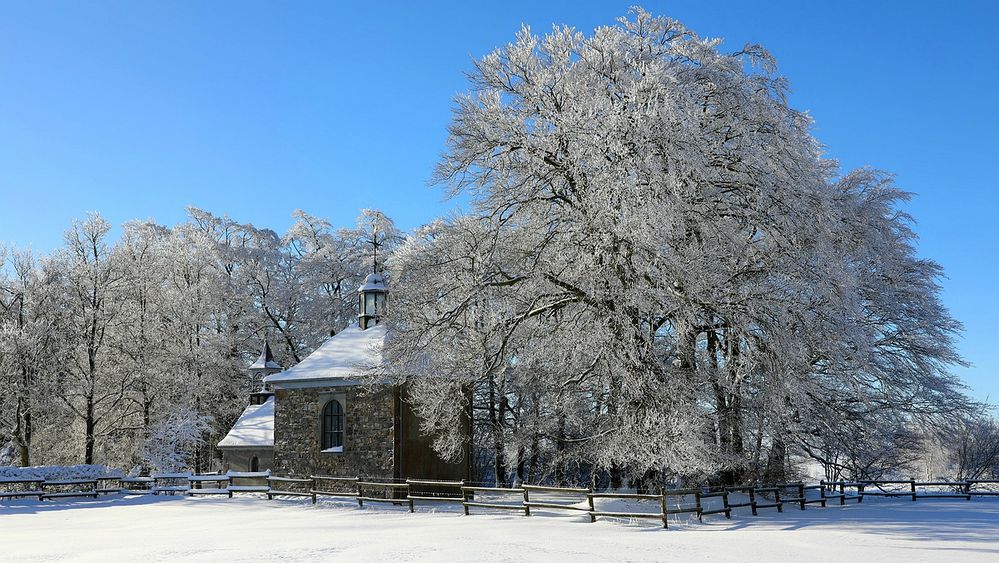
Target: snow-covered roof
(266,360)
(255,427)
(344,356)
(374,282)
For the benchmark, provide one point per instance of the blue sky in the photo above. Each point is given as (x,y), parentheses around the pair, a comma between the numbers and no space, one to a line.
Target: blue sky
(255,109)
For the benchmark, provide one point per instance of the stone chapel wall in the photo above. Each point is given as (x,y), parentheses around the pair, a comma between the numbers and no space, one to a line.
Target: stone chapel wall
(368,432)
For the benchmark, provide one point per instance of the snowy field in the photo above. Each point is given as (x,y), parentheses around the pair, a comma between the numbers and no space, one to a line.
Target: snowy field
(243,529)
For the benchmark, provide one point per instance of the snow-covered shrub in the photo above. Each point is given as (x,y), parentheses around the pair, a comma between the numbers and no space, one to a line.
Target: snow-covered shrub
(7,454)
(58,472)
(966,448)
(172,441)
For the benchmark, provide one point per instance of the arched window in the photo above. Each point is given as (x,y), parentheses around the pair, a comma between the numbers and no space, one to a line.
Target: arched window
(254,464)
(332,436)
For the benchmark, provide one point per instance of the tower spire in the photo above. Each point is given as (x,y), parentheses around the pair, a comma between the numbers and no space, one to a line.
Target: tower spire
(264,366)
(375,243)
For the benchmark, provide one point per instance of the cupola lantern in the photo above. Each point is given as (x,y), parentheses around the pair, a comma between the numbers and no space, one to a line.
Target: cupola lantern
(371,301)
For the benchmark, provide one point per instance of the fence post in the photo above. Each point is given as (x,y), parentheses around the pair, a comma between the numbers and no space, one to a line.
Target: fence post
(860,493)
(589,499)
(967,490)
(662,505)
(912,484)
(780,504)
(464,500)
(801,494)
(527,508)
(752,499)
(697,503)
(728,509)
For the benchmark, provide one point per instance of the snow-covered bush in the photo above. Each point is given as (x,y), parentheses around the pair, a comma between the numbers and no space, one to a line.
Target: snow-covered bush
(173,440)
(966,448)
(6,454)
(59,472)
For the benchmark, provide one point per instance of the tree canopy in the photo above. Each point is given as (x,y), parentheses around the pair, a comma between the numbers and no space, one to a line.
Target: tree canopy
(662,275)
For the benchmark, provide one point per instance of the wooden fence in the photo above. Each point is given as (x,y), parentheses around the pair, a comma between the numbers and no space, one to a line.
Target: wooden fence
(702,501)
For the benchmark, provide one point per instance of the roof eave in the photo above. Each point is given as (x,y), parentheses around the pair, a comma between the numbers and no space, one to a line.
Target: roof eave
(244,447)
(325,382)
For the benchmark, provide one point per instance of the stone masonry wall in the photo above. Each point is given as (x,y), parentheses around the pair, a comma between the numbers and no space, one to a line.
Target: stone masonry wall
(368,432)
(238,459)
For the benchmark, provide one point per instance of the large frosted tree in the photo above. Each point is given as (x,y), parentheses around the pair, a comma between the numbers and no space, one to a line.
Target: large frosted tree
(662,276)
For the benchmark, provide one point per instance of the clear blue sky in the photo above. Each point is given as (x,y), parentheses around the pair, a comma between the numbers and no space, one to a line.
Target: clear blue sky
(254,109)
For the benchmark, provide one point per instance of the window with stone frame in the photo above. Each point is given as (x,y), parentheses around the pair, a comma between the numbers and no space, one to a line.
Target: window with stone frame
(331,437)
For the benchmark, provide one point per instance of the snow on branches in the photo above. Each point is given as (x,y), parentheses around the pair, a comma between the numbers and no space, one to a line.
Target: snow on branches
(661,276)
(133,351)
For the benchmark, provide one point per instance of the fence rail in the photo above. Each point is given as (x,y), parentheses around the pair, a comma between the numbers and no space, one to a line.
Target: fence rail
(561,503)
(468,499)
(583,501)
(428,490)
(324,485)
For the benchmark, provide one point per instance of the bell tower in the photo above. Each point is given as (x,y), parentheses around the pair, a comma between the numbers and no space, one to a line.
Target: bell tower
(371,301)
(264,366)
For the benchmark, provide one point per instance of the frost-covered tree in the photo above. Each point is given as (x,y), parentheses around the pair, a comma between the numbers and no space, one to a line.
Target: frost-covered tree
(30,348)
(173,441)
(95,387)
(329,270)
(966,448)
(376,237)
(661,269)
(141,334)
(457,342)
(106,340)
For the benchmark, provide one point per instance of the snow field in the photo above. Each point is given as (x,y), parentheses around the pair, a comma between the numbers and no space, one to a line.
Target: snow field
(248,528)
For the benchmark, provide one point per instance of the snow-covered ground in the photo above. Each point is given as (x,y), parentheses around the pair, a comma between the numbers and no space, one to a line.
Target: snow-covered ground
(241,529)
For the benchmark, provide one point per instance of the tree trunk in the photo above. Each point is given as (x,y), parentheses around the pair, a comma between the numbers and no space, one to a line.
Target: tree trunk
(616,472)
(735,396)
(22,431)
(499,458)
(533,465)
(616,476)
(26,442)
(559,469)
(90,430)
(776,472)
(723,435)
(521,466)
(499,461)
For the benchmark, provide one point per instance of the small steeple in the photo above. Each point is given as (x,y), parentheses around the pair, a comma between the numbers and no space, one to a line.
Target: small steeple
(371,300)
(264,366)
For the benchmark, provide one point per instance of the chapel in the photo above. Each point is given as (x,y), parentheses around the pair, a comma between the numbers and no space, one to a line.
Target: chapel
(325,415)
